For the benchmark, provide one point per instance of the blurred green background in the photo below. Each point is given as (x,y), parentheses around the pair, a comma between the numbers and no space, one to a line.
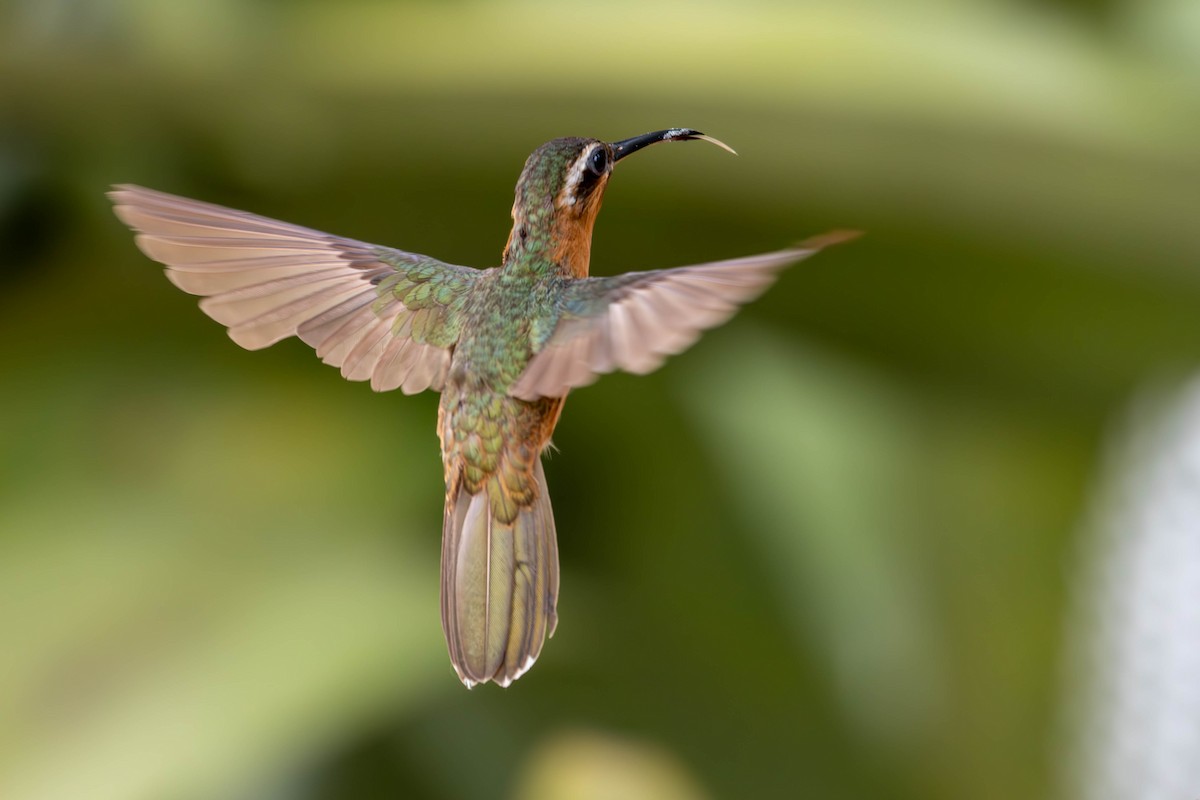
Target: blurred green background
(823,554)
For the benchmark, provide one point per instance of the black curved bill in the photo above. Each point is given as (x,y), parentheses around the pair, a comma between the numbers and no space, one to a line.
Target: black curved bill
(627,146)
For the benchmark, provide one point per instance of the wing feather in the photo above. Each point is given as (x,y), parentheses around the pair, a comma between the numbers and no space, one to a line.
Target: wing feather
(265,280)
(635,321)
(366,353)
(393,366)
(337,346)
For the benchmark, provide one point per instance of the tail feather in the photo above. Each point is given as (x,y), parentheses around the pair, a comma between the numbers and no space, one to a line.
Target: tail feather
(499,584)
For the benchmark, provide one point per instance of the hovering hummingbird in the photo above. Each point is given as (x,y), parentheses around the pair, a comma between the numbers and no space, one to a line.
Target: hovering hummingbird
(503,346)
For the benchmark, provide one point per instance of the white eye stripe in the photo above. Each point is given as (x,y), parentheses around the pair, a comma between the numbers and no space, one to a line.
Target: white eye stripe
(567,196)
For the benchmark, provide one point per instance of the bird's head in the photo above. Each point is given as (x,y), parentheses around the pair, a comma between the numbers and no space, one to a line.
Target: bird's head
(560,191)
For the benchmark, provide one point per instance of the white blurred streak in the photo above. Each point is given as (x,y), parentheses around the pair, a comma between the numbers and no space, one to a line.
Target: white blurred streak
(1134,681)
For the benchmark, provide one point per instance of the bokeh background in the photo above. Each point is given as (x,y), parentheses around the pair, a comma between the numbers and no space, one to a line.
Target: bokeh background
(852,545)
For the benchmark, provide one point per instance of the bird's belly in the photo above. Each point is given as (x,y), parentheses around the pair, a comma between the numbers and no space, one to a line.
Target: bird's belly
(489,436)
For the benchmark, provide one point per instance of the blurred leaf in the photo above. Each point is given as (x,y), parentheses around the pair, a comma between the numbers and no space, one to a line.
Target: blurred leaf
(191,624)
(816,453)
(592,766)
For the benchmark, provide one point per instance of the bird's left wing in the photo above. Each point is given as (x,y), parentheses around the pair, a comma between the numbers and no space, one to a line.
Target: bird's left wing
(378,313)
(634,321)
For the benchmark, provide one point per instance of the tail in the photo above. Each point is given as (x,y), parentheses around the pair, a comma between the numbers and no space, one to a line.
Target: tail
(499,584)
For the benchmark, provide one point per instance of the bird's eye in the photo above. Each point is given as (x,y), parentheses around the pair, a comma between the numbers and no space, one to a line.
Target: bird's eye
(597,162)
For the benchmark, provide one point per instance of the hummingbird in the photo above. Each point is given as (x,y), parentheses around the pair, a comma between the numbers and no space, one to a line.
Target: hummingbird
(502,345)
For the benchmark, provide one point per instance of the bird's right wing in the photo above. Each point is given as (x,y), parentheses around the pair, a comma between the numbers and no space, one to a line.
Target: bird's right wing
(634,321)
(378,313)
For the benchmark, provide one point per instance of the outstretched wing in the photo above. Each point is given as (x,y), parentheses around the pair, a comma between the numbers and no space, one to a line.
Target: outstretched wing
(634,321)
(378,313)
